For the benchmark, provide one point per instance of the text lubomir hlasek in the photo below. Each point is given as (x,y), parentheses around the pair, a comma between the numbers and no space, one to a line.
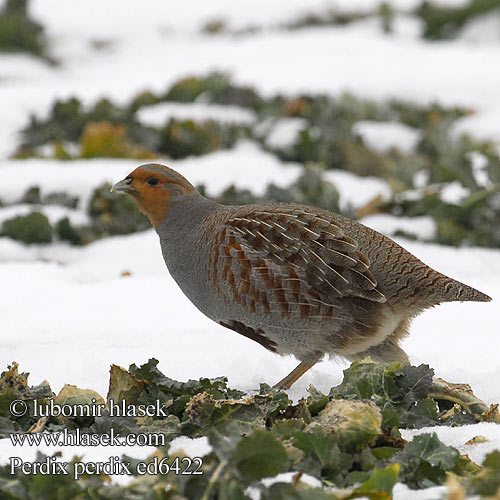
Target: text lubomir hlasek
(119,409)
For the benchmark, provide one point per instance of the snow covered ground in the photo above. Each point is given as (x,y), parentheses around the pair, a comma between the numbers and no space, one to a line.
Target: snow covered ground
(67,313)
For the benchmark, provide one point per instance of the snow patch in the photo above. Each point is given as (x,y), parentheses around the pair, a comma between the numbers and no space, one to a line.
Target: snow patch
(454,193)
(283,132)
(479,169)
(423,227)
(384,136)
(159,114)
(356,191)
(482,29)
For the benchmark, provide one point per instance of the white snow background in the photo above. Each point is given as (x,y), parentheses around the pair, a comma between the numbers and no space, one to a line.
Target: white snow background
(66,313)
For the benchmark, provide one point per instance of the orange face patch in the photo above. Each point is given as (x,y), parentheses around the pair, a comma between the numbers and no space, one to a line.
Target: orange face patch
(153,198)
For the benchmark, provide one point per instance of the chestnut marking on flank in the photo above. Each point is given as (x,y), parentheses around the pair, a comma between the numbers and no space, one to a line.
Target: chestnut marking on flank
(256,335)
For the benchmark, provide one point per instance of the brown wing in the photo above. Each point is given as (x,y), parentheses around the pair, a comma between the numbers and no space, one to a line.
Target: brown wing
(288,260)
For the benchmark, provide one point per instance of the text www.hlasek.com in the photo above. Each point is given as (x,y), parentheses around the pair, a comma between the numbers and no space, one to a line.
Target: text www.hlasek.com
(76,438)
(114,465)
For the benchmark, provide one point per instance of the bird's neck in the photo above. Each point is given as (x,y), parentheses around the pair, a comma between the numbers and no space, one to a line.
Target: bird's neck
(185,214)
(183,229)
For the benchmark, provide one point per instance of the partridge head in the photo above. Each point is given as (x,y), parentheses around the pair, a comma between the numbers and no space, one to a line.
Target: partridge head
(296,279)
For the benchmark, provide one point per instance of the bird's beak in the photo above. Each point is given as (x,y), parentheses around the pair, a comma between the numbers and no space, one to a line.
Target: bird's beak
(122,186)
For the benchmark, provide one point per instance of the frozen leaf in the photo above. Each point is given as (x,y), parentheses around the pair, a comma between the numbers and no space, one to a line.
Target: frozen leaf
(384,452)
(487,481)
(382,480)
(458,393)
(170,427)
(492,461)
(368,380)
(318,443)
(316,401)
(204,412)
(408,396)
(123,385)
(6,398)
(491,415)
(232,490)
(72,395)
(287,491)
(285,429)
(6,427)
(280,400)
(355,424)
(323,457)
(259,455)
(477,439)
(32,228)
(16,382)
(159,383)
(416,382)
(422,414)
(425,461)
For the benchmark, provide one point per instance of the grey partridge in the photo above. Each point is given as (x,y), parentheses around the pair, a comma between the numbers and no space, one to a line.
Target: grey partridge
(296,279)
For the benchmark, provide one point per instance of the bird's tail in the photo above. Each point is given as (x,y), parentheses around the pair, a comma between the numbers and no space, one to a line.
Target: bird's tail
(452,290)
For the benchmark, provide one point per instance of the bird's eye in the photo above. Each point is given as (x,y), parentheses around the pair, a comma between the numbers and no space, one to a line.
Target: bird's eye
(152,181)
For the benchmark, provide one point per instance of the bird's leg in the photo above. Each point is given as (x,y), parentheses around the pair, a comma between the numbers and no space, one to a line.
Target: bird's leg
(294,375)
